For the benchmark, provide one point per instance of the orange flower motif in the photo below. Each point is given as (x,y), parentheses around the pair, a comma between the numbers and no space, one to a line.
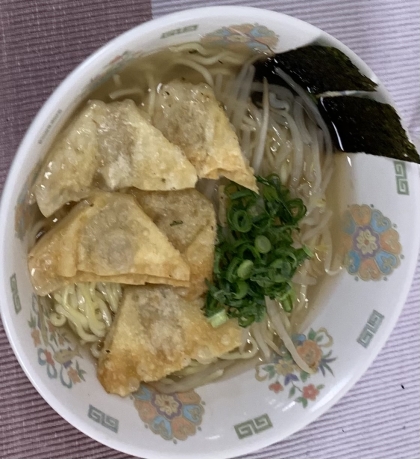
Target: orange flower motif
(49,358)
(369,270)
(361,214)
(36,337)
(310,392)
(311,353)
(189,398)
(146,410)
(389,241)
(276,387)
(73,375)
(182,428)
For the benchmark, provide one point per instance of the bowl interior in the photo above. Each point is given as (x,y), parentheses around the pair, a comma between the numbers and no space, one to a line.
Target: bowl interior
(353,312)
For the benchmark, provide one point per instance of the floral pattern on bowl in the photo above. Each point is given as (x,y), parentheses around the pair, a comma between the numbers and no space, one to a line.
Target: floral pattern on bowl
(284,373)
(55,349)
(254,36)
(371,243)
(172,416)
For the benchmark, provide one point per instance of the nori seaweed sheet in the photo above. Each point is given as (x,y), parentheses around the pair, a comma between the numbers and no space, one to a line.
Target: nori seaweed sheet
(359,124)
(318,69)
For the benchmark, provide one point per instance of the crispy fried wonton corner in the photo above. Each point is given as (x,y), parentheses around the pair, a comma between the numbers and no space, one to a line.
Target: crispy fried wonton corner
(155,333)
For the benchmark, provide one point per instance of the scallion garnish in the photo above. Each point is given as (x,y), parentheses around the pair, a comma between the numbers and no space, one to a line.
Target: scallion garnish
(255,256)
(218,319)
(245,269)
(262,244)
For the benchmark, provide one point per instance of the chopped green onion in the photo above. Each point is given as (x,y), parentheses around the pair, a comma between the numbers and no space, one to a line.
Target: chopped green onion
(245,321)
(218,319)
(241,221)
(298,209)
(262,244)
(254,256)
(278,264)
(308,251)
(287,304)
(276,276)
(248,249)
(231,272)
(245,269)
(241,289)
(241,194)
(288,299)
(270,194)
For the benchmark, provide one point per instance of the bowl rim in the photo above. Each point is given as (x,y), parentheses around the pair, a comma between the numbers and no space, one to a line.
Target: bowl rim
(6,199)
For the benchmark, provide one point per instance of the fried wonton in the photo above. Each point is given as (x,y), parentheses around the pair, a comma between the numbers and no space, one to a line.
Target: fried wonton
(155,333)
(106,237)
(189,221)
(70,165)
(190,116)
(110,146)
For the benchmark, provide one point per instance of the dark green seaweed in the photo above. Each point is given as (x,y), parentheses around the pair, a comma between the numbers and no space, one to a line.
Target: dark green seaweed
(318,69)
(359,124)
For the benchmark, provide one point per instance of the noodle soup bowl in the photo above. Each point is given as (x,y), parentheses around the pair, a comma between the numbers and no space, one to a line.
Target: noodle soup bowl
(352,313)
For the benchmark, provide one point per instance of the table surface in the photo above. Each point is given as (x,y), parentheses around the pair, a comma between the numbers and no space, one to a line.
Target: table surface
(42,40)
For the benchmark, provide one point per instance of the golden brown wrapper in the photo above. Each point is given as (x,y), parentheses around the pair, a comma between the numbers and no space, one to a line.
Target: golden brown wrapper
(191,117)
(155,333)
(109,146)
(106,238)
(188,219)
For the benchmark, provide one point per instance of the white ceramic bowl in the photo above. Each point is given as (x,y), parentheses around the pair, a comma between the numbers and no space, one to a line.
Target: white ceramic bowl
(354,312)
